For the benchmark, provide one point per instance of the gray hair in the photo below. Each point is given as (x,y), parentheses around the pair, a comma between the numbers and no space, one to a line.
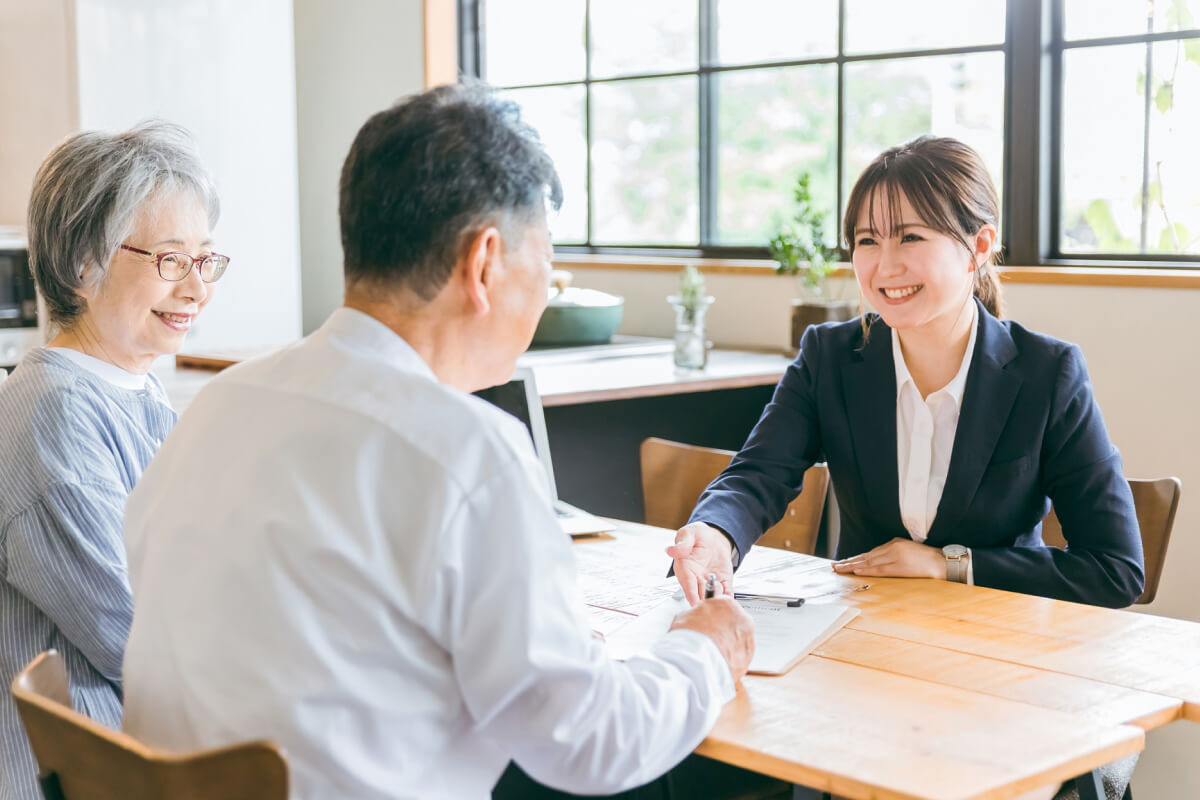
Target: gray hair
(431,170)
(86,196)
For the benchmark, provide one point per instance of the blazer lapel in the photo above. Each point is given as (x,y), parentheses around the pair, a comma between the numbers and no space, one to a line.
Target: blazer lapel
(869,389)
(987,401)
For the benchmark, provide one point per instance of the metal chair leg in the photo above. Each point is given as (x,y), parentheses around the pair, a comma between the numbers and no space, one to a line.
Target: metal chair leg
(1090,786)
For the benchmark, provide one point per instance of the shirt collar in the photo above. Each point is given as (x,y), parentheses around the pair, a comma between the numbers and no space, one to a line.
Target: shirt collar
(111,373)
(958,383)
(355,330)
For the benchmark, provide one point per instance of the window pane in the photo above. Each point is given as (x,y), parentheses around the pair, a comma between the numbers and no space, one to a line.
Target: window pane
(775,30)
(645,160)
(1089,19)
(515,51)
(890,102)
(877,26)
(635,36)
(1104,119)
(775,124)
(557,113)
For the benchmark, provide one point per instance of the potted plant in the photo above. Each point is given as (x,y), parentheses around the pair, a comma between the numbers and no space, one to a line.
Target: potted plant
(799,247)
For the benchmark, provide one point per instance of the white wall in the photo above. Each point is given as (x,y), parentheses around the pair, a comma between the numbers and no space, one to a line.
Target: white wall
(225,70)
(1141,351)
(353,58)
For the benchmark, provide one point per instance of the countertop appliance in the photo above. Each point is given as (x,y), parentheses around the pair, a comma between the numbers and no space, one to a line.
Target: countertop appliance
(19,329)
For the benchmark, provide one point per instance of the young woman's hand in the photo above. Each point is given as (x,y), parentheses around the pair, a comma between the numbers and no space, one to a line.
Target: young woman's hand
(899,558)
(701,550)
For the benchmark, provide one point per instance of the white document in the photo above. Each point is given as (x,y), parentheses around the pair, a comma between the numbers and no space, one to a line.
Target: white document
(782,635)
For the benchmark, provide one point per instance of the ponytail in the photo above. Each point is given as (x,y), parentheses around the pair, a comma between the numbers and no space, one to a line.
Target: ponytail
(988,289)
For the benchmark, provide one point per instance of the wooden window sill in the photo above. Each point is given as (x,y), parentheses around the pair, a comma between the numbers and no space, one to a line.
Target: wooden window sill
(1083,275)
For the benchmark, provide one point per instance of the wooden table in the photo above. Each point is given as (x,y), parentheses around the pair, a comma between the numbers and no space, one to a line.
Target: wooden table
(936,690)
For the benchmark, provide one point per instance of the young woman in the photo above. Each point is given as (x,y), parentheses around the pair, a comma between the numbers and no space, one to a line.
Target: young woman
(948,432)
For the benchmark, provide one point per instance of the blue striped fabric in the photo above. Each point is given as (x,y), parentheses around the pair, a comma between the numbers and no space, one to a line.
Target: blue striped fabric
(72,446)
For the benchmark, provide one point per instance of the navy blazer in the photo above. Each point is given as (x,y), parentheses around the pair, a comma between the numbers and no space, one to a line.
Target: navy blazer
(1029,433)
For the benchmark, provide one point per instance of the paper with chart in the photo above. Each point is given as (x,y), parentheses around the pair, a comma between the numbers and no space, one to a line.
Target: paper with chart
(782,635)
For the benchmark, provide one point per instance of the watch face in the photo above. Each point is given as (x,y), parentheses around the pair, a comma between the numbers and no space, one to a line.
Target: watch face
(954,551)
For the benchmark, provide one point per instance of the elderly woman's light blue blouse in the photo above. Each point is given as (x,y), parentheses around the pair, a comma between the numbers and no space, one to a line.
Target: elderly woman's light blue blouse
(72,446)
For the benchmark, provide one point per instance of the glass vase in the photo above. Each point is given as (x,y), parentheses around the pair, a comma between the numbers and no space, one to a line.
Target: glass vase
(691,346)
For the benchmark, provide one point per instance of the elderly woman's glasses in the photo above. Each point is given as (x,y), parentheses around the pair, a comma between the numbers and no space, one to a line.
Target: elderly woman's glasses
(175,266)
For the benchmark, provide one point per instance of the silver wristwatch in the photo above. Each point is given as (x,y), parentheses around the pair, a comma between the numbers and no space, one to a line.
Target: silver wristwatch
(956,562)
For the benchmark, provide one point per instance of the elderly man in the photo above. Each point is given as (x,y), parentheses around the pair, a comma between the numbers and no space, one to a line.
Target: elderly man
(342,550)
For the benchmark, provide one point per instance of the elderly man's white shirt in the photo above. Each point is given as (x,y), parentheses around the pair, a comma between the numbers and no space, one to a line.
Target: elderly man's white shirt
(336,552)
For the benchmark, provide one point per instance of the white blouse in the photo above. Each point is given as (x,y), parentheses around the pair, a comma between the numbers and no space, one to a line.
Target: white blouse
(925,430)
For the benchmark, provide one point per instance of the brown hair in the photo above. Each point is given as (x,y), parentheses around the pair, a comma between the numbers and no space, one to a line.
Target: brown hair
(948,186)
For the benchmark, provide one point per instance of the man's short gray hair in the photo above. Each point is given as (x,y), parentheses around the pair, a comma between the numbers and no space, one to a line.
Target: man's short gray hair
(86,196)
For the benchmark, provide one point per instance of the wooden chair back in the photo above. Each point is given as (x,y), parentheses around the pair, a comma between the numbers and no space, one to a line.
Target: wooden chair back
(80,759)
(1155,501)
(675,474)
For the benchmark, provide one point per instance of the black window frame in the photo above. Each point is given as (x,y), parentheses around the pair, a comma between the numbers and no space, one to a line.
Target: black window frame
(1034,46)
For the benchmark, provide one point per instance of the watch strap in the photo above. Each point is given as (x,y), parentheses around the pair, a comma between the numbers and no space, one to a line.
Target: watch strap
(956,568)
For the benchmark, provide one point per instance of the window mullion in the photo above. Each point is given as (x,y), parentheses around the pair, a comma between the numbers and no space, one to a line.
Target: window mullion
(587,119)
(470,41)
(1149,92)
(1057,89)
(709,126)
(1026,134)
(840,179)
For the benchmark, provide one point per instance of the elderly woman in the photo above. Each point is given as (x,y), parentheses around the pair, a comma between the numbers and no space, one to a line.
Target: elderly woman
(119,242)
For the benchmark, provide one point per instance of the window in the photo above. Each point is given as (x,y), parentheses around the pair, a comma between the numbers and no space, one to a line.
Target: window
(681,125)
(1130,168)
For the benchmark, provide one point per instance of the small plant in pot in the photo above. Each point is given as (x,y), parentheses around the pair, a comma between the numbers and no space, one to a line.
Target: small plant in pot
(799,247)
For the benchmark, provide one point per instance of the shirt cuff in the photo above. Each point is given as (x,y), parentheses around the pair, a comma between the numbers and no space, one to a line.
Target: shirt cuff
(694,643)
(970,568)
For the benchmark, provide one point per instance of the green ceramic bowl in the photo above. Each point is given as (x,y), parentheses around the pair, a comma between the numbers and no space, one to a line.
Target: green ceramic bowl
(579,316)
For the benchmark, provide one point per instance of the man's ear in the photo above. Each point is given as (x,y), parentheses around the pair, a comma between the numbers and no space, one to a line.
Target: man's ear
(478,266)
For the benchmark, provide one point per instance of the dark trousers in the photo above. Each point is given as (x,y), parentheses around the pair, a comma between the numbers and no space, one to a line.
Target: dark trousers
(695,777)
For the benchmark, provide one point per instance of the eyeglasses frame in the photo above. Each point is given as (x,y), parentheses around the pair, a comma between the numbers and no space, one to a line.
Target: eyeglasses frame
(158,257)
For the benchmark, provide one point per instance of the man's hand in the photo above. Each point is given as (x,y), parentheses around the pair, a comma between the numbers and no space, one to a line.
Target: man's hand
(701,550)
(899,558)
(724,621)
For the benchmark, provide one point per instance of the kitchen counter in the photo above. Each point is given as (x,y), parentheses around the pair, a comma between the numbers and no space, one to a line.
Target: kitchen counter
(600,403)
(630,367)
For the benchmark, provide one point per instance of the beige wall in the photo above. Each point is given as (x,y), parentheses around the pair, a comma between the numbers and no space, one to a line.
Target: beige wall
(1142,355)
(37,93)
(353,58)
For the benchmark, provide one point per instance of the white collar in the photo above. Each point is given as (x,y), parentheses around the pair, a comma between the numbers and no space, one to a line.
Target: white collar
(122,379)
(357,330)
(958,383)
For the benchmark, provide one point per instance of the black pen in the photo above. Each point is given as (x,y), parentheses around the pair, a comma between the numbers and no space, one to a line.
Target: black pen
(710,587)
(792,602)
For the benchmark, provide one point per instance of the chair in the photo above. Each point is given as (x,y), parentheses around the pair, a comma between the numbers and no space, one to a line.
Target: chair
(83,760)
(1155,502)
(675,474)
